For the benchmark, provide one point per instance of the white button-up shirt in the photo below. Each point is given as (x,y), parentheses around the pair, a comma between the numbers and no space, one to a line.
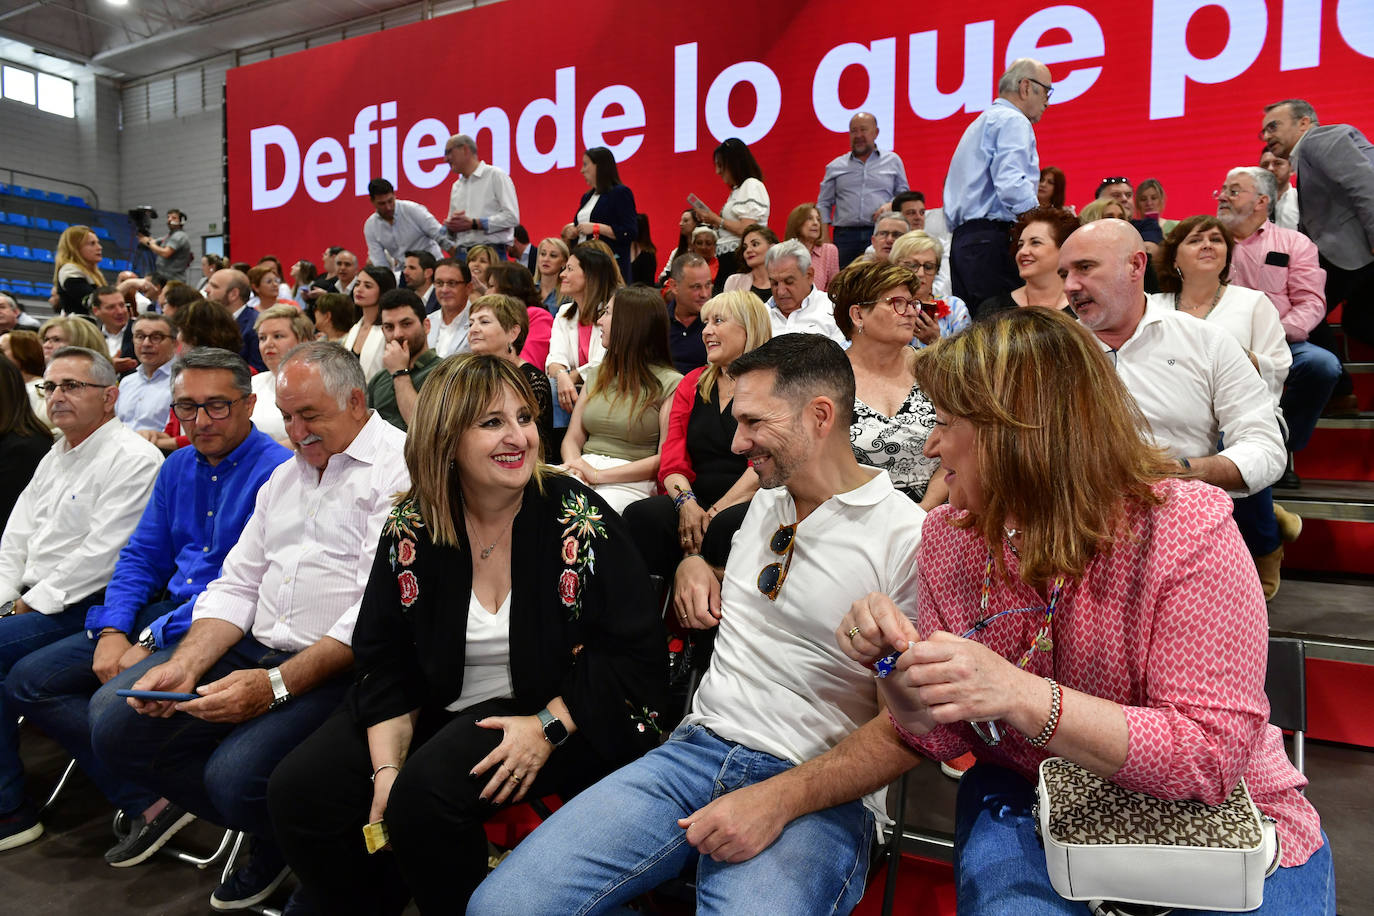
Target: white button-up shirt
(412,228)
(144,400)
(1194,384)
(816,315)
(487,194)
(74,517)
(298,571)
(451,338)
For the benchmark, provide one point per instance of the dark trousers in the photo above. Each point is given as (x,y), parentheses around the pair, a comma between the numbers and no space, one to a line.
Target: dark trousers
(1254,517)
(980,264)
(52,687)
(1356,289)
(852,241)
(216,770)
(321,793)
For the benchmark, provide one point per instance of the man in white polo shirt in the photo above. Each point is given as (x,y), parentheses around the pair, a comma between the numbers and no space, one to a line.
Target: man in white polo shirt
(758,784)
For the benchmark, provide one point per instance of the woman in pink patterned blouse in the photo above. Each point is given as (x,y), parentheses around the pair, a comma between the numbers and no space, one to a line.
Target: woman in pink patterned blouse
(1078,599)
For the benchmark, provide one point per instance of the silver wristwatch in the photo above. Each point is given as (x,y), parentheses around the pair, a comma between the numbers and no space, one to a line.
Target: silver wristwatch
(147,640)
(279,692)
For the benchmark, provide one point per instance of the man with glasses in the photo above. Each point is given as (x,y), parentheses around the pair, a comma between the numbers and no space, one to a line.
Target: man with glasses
(797,307)
(887,231)
(1283,264)
(759,786)
(146,393)
(1335,168)
(448,327)
(269,647)
(60,543)
(992,179)
(200,502)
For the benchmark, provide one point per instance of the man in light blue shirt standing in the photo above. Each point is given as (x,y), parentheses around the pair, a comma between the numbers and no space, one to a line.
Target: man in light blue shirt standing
(992,179)
(858,187)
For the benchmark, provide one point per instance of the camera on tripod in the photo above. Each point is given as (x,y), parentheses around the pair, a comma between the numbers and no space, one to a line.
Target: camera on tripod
(142,219)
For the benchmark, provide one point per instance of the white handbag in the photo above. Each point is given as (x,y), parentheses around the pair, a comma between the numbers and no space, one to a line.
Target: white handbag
(1105,842)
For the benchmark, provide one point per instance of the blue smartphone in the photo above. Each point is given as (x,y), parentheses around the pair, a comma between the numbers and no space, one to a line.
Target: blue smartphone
(157,695)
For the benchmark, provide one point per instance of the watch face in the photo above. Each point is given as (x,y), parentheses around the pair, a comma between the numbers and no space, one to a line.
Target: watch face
(556,732)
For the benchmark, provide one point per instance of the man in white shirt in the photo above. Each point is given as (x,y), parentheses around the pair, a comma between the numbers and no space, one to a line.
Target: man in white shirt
(766,744)
(345,271)
(269,649)
(145,395)
(797,306)
(112,315)
(1191,380)
(418,277)
(448,327)
(64,534)
(482,207)
(399,226)
(1286,211)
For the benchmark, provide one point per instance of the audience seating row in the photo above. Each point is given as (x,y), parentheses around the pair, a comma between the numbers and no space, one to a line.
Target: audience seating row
(35,222)
(52,197)
(26,288)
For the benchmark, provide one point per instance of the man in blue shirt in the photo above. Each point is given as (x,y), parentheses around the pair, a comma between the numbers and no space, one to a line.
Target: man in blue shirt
(992,179)
(201,500)
(687,289)
(858,187)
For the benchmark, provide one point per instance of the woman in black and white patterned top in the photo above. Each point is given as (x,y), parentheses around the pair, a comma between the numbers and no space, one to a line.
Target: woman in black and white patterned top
(876,312)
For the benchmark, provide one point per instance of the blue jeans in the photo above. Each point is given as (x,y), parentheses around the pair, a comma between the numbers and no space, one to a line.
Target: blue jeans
(20,635)
(52,686)
(216,770)
(1311,379)
(852,241)
(1254,517)
(620,838)
(999,864)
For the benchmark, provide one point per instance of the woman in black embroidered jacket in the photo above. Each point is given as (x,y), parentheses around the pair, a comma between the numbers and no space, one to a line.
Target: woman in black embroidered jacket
(508,647)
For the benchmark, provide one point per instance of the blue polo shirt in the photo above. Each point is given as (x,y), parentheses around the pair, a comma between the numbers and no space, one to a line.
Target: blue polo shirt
(195,515)
(685,342)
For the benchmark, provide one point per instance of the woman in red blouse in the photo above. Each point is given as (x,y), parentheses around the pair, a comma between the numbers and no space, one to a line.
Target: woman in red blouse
(1078,599)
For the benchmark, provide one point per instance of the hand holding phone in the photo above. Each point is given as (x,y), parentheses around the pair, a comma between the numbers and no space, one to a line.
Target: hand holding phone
(695,202)
(158,695)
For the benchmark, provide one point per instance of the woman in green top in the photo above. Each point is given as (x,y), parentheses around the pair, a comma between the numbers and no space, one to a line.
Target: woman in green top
(615,430)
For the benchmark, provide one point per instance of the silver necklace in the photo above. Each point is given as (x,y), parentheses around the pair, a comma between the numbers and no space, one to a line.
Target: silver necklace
(486,551)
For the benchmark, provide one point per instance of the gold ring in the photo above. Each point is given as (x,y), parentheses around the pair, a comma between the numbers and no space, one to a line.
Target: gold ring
(853,631)
(514,778)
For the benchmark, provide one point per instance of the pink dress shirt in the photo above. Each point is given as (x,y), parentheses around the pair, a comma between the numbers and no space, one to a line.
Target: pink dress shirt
(1298,290)
(825,261)
(1171,624)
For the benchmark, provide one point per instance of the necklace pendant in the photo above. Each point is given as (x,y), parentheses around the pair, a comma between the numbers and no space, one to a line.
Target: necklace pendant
(486,551)
(1044,643)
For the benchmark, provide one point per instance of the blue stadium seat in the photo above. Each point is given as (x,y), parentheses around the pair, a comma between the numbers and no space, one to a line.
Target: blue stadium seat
(102,233)
(106,264)
(4,250)
(4,188)
(75,201)
(41,223)
(43,254)
(53,197)
(16,219)
(123,265)
(31,193)
(21,252)
(58,225)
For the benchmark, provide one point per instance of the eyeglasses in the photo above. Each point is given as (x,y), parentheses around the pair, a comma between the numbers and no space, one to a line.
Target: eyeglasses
(445,284)
(155,338)
(772,576)
(55,341)
(1228,193)
(988,731)
(215,409)
(1270,128)
(919,267)
(889,233)
(1049,90)
(900,304)
(68,387)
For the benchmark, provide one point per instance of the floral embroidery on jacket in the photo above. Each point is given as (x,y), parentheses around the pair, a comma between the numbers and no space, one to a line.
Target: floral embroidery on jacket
(403,520)
(409,587)
(582,521)
(645,719)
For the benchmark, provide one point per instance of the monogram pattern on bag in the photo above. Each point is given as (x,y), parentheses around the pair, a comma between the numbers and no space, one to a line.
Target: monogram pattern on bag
(1086,809)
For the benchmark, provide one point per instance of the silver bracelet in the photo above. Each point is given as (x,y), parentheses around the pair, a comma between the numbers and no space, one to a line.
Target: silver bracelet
(1052,723)
(384,766)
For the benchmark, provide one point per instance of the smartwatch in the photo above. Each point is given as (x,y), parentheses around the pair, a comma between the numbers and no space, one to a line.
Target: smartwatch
(555,732)
(7,608)
(279,692)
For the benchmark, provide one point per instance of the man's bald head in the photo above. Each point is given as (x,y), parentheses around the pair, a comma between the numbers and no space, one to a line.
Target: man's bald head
(1103,266)
(863,134)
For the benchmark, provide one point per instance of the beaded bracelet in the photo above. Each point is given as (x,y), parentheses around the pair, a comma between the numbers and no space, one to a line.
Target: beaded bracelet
(1051,724)
(681,499)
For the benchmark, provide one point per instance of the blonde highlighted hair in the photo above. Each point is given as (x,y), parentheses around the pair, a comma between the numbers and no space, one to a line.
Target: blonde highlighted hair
(1061,446)
(455,395)
(743,308)
(69,252)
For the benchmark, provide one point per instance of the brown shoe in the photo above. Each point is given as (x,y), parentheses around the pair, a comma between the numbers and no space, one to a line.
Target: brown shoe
(1290,524)
(1342,406)
(1268,568)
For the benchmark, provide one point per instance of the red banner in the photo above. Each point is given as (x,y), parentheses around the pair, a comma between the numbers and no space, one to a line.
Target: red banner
(1169,89)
